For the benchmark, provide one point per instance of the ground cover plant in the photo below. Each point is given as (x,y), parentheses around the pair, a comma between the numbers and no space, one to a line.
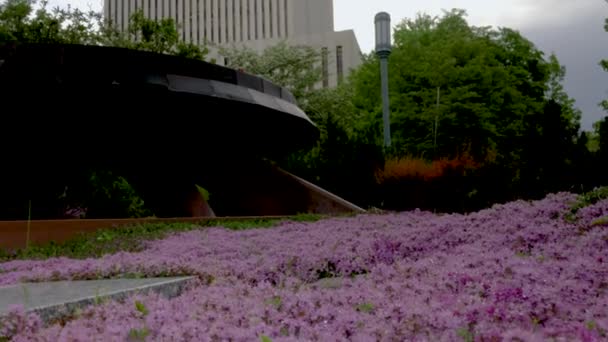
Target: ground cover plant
(520,271)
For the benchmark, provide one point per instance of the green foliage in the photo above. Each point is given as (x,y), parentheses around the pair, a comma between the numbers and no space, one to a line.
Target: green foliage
(275,302)
(601,137)
(603,221)
(346,152)
(587,199)
(459,90)
(26,21)
(141,308)
(138,334)
(307,218)
(466,334)
(245,224)
(20,22)
(113,196)
(491,83)
(365,307)
(265,338)
(204,193)
(591,197)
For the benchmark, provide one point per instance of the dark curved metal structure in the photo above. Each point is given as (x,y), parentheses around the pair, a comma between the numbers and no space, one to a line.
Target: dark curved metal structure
(69,108)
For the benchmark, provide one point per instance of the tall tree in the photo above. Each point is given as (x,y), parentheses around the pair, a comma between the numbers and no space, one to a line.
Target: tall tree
(22,22)
(490,82)
(460,90)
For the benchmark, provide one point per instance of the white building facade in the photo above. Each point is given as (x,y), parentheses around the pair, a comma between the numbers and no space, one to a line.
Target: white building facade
(256,24)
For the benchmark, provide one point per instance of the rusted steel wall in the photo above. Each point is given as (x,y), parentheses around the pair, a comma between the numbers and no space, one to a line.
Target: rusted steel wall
(13,234)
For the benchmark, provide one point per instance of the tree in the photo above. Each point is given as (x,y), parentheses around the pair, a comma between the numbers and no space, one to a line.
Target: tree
(487,93)
(21,23)
(146,34)
(601,132)
(489,82)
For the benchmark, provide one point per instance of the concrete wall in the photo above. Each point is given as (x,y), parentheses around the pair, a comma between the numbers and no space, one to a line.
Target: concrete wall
(226,21)
(313,17)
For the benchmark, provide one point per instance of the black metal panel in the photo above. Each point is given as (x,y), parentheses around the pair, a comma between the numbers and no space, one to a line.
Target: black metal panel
(101,65)
(82,105)
(249,81)
(271,88)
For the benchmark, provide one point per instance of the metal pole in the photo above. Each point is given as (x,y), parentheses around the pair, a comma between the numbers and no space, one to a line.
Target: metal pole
(385,100)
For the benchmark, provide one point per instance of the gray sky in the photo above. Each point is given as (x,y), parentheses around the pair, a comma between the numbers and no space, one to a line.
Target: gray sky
(572,29)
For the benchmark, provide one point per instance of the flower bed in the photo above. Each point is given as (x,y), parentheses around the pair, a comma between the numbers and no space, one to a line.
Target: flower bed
(519,270)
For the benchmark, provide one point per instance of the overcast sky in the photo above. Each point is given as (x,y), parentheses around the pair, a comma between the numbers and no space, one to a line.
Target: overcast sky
(572,29)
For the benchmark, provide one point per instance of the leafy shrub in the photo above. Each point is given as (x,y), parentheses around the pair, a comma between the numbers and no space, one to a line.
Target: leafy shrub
(587,199)
(113,196)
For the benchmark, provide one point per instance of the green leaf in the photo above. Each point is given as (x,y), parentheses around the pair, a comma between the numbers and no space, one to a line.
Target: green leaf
(204,193)
(275,301)
(466,334)
(365,307)
(265,338)
(139,306)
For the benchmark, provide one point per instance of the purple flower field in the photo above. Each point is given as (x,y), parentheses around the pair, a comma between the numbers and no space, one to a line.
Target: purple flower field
(515,272)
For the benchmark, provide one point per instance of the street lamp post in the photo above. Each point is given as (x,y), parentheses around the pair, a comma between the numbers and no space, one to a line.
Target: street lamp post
(383,50)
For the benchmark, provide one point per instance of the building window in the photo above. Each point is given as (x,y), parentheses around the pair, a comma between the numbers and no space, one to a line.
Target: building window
(226,13)
(204,23)
(226,60)
(340,63)
(214,33)
(198,22)
(176,12)
(249,26)
(234,20)
(184,21)
(241,19)
(325,66)
(212,22)
(255,18)
(219,22)
(263,20)
(278,11)
(111,15)
(286,14)
(271,16)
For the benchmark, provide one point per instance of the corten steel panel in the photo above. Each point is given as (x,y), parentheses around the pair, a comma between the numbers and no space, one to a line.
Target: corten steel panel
(13,234)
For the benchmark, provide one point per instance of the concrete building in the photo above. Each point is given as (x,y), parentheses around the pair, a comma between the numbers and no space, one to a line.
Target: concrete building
(256,24)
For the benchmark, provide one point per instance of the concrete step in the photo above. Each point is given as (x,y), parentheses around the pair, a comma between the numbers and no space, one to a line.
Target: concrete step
(55,300)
